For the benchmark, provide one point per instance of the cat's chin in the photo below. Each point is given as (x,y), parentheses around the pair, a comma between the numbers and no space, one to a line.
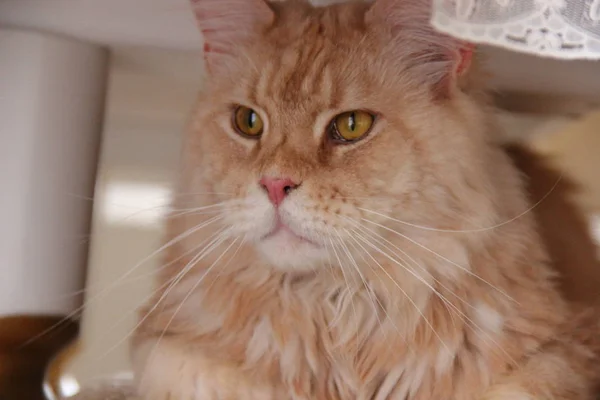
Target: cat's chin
(285,250)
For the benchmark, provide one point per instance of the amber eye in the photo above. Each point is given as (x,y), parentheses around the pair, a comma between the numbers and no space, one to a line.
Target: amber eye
(351,126)
(247,122)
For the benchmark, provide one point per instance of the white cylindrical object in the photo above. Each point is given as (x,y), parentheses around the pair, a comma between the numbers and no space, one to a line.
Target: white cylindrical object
(52,93)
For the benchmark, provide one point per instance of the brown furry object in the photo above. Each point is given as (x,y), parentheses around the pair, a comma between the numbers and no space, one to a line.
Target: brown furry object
(563,226)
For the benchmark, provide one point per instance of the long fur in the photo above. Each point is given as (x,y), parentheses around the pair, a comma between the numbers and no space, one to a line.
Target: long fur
(411,267)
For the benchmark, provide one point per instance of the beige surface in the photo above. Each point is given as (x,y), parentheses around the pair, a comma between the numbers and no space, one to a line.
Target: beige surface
(150,96)
(576,148)
(151,93)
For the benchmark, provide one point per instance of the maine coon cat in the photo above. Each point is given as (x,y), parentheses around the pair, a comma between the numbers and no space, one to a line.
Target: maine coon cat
(356,232)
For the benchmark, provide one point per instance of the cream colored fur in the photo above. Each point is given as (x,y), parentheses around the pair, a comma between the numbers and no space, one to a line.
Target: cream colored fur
(421,274)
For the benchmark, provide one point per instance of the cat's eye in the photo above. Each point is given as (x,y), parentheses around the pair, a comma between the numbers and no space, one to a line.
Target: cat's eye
(247,122)
(351,126)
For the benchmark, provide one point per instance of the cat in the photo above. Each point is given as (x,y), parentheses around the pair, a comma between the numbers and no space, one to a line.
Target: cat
(564,231)
(349,227)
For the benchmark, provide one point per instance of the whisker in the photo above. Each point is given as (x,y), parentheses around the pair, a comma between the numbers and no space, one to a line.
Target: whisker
(372,296)
(144,275)
(165,198)
(235,253)
(190,292)
(477,230)
(350,291)
(103,292)
(368,243)
(125,315)
(446,302)
(337,316)
(169,211)
(207,250)
(325,240)
(366,286)
(378,239)
(381,281)
(202,246)
(443,258)
(224,205)
(191,194)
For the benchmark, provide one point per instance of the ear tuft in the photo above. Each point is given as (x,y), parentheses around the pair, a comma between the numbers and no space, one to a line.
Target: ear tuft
(440,60)
(227,23)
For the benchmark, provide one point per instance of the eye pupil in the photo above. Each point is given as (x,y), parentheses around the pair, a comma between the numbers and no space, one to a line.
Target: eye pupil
(352,122)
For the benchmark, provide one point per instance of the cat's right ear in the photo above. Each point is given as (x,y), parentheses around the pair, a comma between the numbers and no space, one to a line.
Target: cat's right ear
(227,23)
(439,60)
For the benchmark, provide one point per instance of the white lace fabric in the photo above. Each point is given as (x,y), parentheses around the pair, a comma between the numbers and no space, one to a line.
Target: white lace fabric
(566,29)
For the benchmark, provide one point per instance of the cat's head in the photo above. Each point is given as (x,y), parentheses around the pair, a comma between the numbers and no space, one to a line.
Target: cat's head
(318,121)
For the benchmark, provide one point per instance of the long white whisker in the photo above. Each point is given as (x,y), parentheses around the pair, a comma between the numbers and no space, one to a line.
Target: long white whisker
(378,240)
(446,302)
(338,315)
(151,273)
(368,243)
(427,228)
(373,297)
(224,205)
(235,253)
(202,246)
(443,258)
(190,292)
(325,240)
(172,212)
(350,291)
(208,249)
(364,281)
(194,194)
(381,281)
(98,296)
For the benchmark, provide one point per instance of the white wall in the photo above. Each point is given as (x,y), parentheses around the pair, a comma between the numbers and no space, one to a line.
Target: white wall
(150,96)
(51,103)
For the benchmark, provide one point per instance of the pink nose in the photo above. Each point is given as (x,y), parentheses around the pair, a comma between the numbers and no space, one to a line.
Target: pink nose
(277,188)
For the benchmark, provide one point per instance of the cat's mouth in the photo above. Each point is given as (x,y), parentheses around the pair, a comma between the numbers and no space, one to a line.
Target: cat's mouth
(284,247)
(283,230)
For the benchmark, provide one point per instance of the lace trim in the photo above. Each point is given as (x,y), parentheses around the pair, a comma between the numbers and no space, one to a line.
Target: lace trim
(567,29)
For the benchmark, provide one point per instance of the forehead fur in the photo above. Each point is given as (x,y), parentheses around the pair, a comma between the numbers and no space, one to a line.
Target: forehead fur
(321,56)
(301,69)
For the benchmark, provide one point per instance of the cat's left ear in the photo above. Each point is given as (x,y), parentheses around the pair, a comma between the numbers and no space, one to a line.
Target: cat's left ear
(440,60)
(227,23)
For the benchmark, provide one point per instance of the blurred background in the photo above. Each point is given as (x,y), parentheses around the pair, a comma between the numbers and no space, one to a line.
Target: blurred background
(94,98)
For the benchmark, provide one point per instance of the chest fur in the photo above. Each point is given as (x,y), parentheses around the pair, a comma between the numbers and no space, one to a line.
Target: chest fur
(364,350)
(353,345)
